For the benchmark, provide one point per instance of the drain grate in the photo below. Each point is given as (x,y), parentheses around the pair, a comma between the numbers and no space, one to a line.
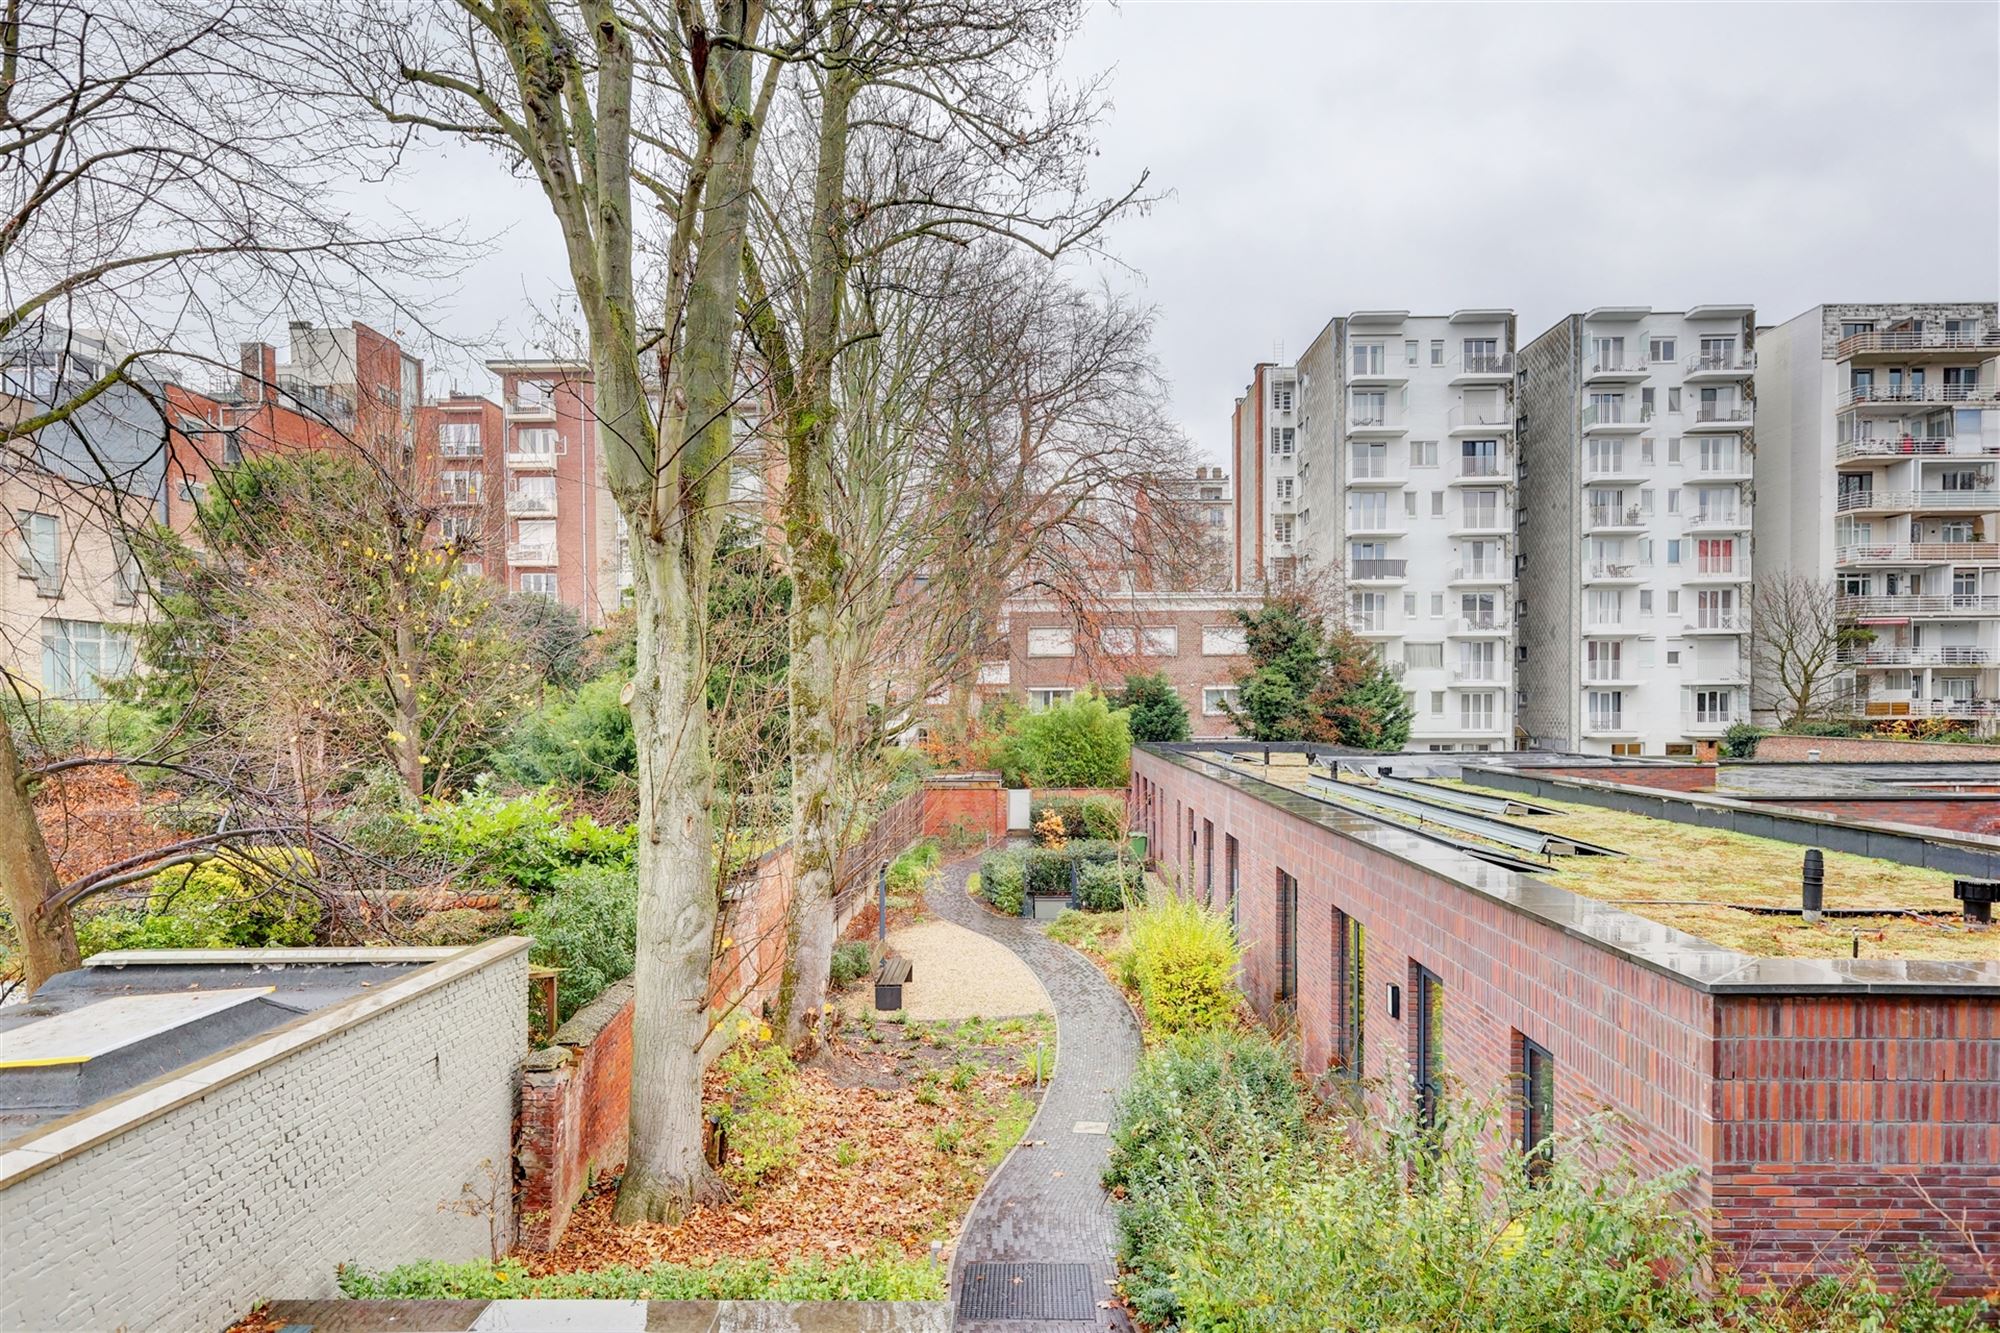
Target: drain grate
(1027,1291)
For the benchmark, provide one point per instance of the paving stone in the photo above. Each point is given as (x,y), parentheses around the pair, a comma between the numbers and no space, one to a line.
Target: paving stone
(1046,1205)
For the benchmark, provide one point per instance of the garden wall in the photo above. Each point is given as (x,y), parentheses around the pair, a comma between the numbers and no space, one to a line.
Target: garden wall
(968,809)
(344,1136)
(1873,750)
(1671,777)
(575,1105)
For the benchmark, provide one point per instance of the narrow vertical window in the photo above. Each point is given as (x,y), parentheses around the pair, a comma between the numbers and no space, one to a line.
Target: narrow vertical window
(1208,862)
(1230,873)
(1538,1107)
(1288,939)
(1429,1053)
(1350,979)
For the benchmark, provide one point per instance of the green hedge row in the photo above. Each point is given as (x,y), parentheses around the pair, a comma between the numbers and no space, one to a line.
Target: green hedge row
(1104,882)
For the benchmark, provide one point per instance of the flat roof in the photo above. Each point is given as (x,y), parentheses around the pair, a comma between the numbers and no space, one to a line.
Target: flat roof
(1703,876)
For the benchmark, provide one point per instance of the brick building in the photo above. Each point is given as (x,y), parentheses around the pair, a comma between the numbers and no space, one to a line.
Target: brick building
(1822,1104)
(1053,650)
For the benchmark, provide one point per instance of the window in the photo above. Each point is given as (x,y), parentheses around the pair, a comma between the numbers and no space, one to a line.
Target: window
(1231,869)
(1673,600)
(1118,641)
(1674,399)
(459,488)
(1609,354)
(1646,403)
(1217,700)
(1437,504)
(1660,349)
(41,552)
(1855,327)
(1607,709)
(1409,504)
(1281,395)
(1674,543)
(1673,449)
(1428,1056)
(1367,611)
(1368,460)
(1350,979)
(1052,642)
(1645,601)
(1674,501)
(1437,703)
(1367,511)
(533,393)
(1207,861)
(1423,656)
(459,439)
(1370,407)
(541,585)
(1410,352)
(1039,700)
(1475,711)
(1223,641)
(538,444)
(1437,605)
(1602,659)
(1423,453)
(1282,441)
(1409,604)
(125,578)
(462,529)
(1369,358)
(1160,642)
(1437,351)
(1711,707)
(1282,528)
(1288,941)
(1538,1107)
(79,655)
(1286,488)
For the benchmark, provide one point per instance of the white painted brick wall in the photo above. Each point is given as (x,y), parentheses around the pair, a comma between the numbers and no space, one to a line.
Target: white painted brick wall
(342,1151)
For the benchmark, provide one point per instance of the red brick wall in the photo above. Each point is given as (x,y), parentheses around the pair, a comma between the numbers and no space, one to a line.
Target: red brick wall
(1871,1123)
(1623,1036)
(1678,777)
(979,810)
(1960,813)
(575,1107)
(1189,669)
(1869,750)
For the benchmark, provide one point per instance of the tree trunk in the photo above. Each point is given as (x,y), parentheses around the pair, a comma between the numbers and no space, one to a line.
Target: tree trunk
(28,884)
(665,1170)
(403,690)
(816,760)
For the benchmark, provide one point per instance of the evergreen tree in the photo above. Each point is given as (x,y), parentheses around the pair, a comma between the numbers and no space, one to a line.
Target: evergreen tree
(1157,711)
(1309,682)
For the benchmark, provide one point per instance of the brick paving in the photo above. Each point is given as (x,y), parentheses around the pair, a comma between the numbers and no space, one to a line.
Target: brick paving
(1045,1204)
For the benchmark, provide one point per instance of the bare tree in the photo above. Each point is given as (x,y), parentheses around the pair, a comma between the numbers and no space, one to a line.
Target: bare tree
(1796,647)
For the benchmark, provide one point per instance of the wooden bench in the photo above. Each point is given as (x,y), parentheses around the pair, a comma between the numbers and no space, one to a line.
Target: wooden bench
(890,979)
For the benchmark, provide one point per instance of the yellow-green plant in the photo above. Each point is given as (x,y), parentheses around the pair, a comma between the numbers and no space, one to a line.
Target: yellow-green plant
(1184,959)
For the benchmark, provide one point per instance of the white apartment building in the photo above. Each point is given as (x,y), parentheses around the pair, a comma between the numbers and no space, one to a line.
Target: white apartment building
(1265,459)
(1881,431)
(1637,448)
(1407,466)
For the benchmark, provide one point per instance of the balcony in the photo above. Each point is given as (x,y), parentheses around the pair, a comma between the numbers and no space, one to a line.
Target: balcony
(1622,467)
(1373,627)
(1716,571)
(1918,345)
(1960,708)
(1610,629)
(1608,726)
(1615,518)
(1481,571)
(530,409)
(1465,420)
(1377,571)
(523,504)
(531,459)
(457,497)
(1911,446)
(1950,605)
(1719,366)
(1917,553)
(1374,425)
(461,449)
(1468,627)
(1607,572)
(1628,369)
(1719,520)
(1894,655)
(1711,468)
(1376,525)
(1614,419)
(1377,475)
(1895,397)
(1719,416)
(1482,369)
(1389,370)
(1484,521)
(1480,472)
(1710,721)
(1478,673)
(1869,500)
(531,553)
(1718,622)
(1611,673)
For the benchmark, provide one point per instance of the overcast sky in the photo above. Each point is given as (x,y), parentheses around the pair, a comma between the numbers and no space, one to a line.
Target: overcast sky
(1320,159)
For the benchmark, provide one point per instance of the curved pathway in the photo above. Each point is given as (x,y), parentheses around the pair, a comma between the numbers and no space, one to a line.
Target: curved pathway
(1045,1205)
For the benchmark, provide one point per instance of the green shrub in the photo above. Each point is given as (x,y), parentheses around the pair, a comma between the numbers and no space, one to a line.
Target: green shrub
(1048,870)
(1740,741)
(454,926)
(1824,726)
(1090,850)
(850,964)
(48,727)
(890,1277)
(912,871)
(518,842)
(1104,886)
(1184,958)
(1157,710)
(1082,816)
(758,1079)
(579,739)
(1003,881)
(588,926)
(251,899)
(1080,743)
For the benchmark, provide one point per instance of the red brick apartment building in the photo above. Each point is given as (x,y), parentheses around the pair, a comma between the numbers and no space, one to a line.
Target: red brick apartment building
(563,535)
(1822,1104)
(1052,650)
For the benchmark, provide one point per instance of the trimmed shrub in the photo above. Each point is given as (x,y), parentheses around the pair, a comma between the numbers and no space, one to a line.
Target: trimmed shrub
(1082,816)
(1048,871)
(1104,886)
(1740,741)
(850,964)
(588,926)
(518,841)
(1184,958)
(1003,881)
(1081,743)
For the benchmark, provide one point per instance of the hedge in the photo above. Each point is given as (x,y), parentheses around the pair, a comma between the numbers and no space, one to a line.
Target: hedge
(1103,882)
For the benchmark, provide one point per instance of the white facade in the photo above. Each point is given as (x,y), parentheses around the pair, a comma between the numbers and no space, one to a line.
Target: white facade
(1881,429)
(1266,494)
(1639,446)
(1408,459)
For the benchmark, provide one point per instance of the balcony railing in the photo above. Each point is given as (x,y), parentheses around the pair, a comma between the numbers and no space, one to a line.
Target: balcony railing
(521,504)
(1614,414)
(531,553)
(1911,340)
(1480,520)
(461,449)
(1377,569)
(1909,446)
(1919,553)
(531,458)
(1477,571)
(1607,724)
(1614,516)
(1976,501)
(1478,673)
(1604,570)
(1493,624)
(1718,569)
(1917,604)
(1481,468)
(1905,655)
(1721,363)
(1462,418)
(1369,624)
(1719,622)
(1621,365)
(1494,363)
(1605,673)
(1709,719)
(1968,708)
(1866,395)
(1601,468)
(530,407)
(1718,520)
(1722,414)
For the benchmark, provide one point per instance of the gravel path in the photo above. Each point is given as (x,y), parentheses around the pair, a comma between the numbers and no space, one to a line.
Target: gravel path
(1045,1205)
(956,974)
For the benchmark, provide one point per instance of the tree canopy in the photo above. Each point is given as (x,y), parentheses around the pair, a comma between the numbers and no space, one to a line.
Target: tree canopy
(1308,681)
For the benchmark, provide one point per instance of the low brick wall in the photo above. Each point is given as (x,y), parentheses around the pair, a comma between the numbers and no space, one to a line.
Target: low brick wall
(1873,750)
(1955,811)
(355,1134)
(971,812)
(575,1113)
(1669,777)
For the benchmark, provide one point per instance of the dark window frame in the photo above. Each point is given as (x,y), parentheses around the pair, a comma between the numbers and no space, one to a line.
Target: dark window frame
(1350,982)
(1427,1044)
(1288,939)
(1538,1105)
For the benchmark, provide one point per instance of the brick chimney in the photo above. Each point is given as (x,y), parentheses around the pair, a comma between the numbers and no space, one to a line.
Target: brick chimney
(257,365)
